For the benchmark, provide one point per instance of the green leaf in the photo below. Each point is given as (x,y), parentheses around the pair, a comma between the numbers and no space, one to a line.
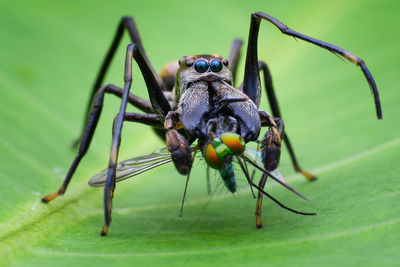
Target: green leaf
(51,52)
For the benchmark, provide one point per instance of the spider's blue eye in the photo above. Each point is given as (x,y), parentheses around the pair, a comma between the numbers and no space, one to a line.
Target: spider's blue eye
(201,66)
(216,65)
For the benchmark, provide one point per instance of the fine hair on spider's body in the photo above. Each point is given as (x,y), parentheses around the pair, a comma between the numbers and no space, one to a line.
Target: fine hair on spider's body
(195,99)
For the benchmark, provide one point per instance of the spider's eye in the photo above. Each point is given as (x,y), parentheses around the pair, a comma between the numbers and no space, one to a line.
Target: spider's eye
(201,66)
(216,65)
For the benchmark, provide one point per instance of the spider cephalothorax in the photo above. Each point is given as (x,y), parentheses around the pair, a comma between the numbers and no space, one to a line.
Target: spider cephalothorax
(203,90)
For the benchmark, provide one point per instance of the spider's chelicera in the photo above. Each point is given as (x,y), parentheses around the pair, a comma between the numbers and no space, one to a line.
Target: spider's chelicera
(195,99)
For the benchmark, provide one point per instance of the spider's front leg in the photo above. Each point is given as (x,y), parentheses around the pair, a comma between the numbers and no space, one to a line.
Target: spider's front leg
(252,78)
(252,83)
(160,105)
(181,153)
(252,87)
(126,24)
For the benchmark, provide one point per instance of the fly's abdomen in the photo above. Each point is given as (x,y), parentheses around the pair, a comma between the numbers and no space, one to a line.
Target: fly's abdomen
(228,176)
(218,155)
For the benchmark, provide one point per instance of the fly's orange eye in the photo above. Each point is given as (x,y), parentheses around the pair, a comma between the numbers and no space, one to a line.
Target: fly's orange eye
(212,158)
(234,141)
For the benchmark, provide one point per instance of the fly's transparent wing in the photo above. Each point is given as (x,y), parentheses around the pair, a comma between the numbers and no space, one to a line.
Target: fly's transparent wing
(256,156)
(134,166)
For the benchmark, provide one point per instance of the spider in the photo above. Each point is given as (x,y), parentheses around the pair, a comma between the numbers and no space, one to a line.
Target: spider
(195,99)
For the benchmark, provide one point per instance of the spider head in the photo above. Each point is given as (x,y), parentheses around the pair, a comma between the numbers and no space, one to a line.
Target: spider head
(200,68)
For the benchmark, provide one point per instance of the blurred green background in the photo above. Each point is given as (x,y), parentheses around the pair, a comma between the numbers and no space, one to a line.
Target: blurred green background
(50,52)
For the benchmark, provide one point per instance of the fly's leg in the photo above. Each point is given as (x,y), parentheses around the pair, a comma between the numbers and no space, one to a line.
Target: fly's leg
(177,144)
(260,188)
(208,180)
(276,112)
(91,124)
(261,185)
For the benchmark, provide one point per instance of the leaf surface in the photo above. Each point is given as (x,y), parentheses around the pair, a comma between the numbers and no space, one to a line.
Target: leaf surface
(51,52)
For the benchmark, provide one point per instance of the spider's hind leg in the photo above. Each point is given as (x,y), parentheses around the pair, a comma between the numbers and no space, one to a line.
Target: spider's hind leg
(276,112)
(168,75)
(90,127)
(234,56)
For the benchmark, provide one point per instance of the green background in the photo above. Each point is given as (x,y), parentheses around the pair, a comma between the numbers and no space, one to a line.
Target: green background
(50,52)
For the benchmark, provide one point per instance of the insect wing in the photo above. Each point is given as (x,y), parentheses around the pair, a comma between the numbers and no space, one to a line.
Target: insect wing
(256,156)
(134,166)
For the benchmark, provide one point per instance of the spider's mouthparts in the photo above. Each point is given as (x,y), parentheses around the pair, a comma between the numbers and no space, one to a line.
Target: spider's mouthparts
(210,78)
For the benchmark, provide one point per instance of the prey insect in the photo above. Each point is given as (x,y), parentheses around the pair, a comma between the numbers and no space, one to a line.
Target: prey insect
(195,99)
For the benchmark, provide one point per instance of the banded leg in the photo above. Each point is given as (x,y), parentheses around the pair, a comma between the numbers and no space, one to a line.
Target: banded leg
(147,119)
(261,185)
(251,84)
(129,24)
(151,120)
(90,128)
(160,105)
(272,140)
(276,113)
(177,145)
